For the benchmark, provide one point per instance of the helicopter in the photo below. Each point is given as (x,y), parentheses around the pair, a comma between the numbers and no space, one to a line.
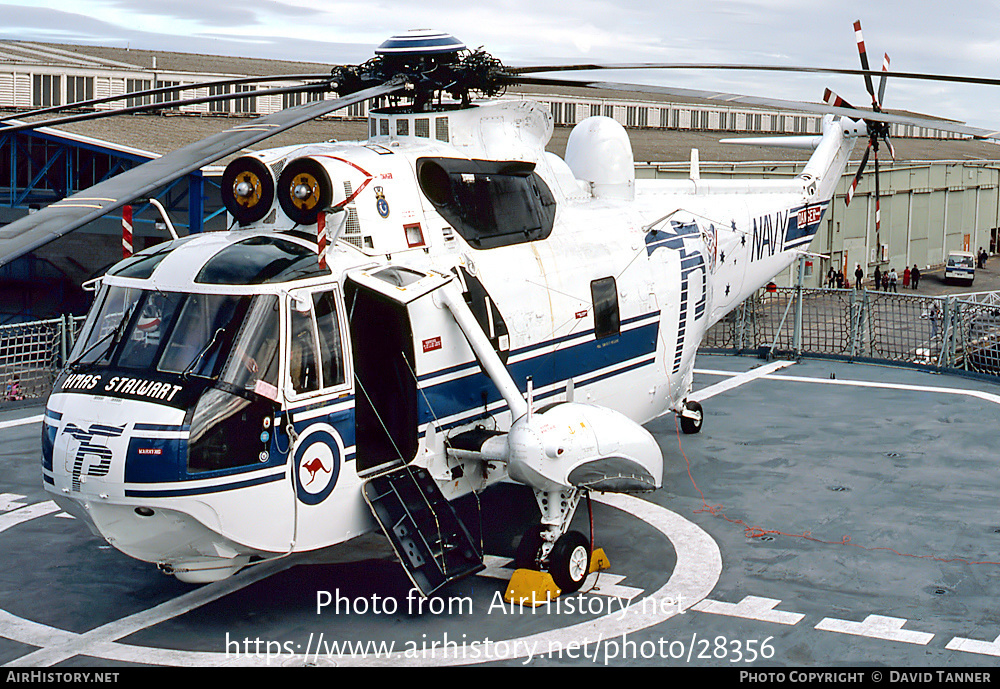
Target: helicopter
(392,324)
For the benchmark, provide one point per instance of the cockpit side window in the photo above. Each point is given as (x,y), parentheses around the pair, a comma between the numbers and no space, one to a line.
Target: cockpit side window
(105,325)
(255,355)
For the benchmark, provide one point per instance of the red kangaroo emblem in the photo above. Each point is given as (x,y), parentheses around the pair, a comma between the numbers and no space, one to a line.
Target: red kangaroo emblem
(313,466)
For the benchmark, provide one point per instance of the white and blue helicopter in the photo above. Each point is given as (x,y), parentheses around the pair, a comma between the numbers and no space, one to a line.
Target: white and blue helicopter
(395,323)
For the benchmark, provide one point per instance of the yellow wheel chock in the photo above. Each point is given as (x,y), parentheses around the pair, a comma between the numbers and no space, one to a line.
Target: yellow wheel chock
(529,587)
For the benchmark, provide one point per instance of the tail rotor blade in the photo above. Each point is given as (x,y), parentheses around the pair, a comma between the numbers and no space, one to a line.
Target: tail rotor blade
(864,60)
(857,177)
(878,208)
(881,83)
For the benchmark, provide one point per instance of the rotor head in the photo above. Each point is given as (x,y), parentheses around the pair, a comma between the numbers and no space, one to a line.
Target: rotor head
(431,62)
(421,44)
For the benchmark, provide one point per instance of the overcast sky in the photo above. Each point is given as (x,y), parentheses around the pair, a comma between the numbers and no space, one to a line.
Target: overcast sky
(939,37)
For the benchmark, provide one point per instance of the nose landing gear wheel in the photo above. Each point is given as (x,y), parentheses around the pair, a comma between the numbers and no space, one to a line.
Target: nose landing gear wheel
(692,424)
(569,561)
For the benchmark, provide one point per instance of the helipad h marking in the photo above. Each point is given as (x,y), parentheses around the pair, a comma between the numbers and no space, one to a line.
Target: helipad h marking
(737,379)
(11,501)
(22,422)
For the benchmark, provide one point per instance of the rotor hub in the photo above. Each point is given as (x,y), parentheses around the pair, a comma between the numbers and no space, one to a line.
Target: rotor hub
(421,43)
(431,63)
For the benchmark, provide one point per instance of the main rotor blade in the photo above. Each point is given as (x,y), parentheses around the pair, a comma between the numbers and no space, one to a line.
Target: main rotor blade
(702,66)
(50,223)
(831,98)
(774,103)
(150,107)
(162,90)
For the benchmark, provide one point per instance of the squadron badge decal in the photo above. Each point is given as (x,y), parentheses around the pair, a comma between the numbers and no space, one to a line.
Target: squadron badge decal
(380,203)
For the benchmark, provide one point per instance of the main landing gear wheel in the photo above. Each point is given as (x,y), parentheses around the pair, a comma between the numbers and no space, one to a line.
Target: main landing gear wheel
(692,417)
(569,561)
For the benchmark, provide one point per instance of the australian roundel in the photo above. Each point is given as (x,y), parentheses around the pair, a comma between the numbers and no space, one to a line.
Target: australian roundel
(318,456)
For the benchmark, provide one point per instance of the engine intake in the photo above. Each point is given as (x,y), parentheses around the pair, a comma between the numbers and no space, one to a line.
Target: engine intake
(247,189)
(304,189)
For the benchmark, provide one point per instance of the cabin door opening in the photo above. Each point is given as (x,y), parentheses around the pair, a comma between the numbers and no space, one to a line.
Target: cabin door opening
(385,381)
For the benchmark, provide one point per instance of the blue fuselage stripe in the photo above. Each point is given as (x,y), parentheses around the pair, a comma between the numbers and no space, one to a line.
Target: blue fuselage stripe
(203,490)
(473,391)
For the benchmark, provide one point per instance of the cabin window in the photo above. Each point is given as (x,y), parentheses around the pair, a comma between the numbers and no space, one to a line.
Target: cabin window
(490,203)
(261,260)
(316,352)
(607,321)
(302,362)
(331,348)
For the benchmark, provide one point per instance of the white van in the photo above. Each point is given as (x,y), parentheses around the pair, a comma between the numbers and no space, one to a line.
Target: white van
(961,266)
